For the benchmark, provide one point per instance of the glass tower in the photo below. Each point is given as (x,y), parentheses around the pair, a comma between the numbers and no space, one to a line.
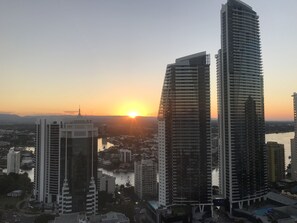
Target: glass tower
(184,133)
(243,165)
(79,148)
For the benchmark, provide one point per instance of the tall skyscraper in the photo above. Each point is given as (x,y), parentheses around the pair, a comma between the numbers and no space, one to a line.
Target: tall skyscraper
(293,142)
(184,146)
(276,161)
(243,166)
(66,164)
(145,172)
(13,161)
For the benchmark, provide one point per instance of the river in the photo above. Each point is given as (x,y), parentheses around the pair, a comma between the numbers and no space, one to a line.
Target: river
(123,178)
(103,144)
(282,138)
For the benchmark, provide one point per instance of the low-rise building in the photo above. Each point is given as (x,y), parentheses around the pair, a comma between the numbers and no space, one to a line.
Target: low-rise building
(105,182)
(71,218)
(110,217)
(114,217)
(15,193)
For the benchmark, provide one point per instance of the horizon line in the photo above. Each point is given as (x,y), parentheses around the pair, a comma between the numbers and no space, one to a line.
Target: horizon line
(141,116)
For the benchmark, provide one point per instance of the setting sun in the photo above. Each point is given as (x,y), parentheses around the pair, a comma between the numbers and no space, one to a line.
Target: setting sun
(132,114)
(133,108)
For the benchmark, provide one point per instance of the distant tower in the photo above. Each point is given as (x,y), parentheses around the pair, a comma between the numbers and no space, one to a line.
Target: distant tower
(276,161)
(293,142)
(104,131)
(243,166)
(145,179)
(184,145)
(104,134)
(13,161)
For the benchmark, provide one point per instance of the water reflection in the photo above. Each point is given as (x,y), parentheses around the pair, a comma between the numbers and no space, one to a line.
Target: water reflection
(29,172)
(103,144)
(123,178)
(282,138)
(32,149)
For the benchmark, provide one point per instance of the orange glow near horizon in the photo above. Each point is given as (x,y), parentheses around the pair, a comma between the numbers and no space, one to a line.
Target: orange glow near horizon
(132,114)
(272,111)
(275,108)
(134,108)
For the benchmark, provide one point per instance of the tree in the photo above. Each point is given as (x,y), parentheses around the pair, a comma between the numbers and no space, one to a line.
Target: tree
(15,181)
(103,198)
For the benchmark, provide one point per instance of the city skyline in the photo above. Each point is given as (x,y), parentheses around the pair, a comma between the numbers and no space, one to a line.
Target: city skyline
(109,57)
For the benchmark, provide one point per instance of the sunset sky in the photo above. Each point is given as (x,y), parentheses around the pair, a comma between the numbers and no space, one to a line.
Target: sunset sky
(110,56)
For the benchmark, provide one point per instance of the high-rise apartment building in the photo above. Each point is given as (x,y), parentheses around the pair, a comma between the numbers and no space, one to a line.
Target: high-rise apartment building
(145,179)
(293,142)
(276,161)
(243,166)
(66,164)
(46,176)
(184,145)
(13,161)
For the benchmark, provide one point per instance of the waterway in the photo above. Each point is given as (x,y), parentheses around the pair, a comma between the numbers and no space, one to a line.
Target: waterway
(282,138)
(103,144)
(123,178)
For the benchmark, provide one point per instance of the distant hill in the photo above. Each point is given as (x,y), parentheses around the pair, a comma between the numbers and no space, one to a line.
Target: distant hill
(116,125)
(6,119)
(11,119)
(122,124)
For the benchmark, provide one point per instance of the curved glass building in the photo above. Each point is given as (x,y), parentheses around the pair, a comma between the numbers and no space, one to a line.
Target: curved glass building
(243,168)
(184,133)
